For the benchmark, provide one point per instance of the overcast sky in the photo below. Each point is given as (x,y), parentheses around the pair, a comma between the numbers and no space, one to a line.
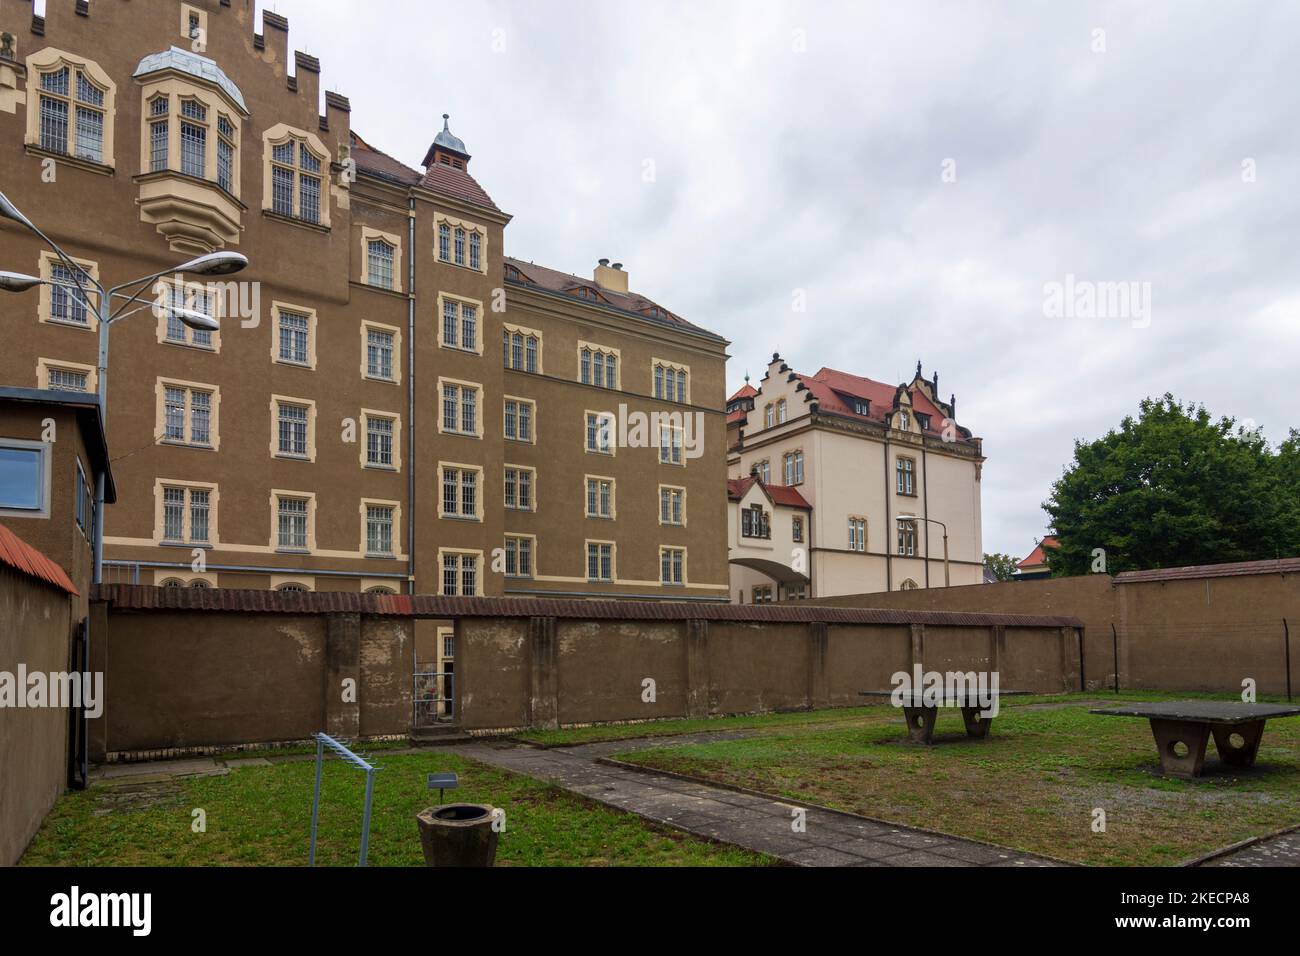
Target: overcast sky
(733,155)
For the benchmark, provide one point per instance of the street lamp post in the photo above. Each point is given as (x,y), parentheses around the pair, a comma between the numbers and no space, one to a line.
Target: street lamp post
(947,581)
(212,264)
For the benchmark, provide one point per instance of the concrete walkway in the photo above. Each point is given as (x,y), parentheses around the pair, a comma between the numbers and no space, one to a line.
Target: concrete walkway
(758,823)
(1281,850)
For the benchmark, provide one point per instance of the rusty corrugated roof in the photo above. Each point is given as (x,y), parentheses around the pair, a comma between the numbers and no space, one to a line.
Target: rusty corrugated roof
(1193,572)
(141,598)
(21,556)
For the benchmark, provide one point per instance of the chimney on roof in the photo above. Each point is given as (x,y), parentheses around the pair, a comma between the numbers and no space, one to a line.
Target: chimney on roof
(952,406)
(611,277)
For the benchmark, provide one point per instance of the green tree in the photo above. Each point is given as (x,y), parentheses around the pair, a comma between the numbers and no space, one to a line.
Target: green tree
(1175,487)
(1002,566)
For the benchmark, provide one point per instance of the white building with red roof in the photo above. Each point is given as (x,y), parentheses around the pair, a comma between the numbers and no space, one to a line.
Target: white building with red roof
(884,475)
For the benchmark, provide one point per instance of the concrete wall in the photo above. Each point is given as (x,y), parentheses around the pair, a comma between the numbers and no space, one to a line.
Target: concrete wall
(1201,633)
(37,632)
(548,672)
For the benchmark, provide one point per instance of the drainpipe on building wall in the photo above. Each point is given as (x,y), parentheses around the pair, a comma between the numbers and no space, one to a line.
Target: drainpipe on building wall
(410,398)
(925,508)
(889,522)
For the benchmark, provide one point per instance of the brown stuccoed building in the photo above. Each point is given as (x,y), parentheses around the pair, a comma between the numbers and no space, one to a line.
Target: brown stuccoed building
(391,403)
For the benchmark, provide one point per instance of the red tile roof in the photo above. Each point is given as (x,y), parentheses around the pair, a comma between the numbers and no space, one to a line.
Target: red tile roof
(829,387)
(745,391)
(566,283)
(140,598)
(779,494)
(22,557)
(738,415)
(1036,558)
(439,178)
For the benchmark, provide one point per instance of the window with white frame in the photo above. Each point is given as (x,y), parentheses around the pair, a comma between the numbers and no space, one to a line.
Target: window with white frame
(520,349)
(600,561)
(193,297)
(461,244)
(459,325)
(672,506)
(460,487)
(857,534)
(904,421)
(187,415)
(295,337)
(670,382)
(296,180)
(907,538)
(600,497)
(64,379)
(72,113)
(780,412)
(381,354)
(293,517)
(519,419)
(380,435)
(904,469)
(519,556)
(672,565)
(380,256)
(769,415)
(598,366)
(519,488)
(670,445)
(600,433)
(793,462)
(460,574)
(460,409)
(293,429)
(186,515)
(755,522)
(762,470)
(379,530)
(763,594)
(796,529)
(24,477)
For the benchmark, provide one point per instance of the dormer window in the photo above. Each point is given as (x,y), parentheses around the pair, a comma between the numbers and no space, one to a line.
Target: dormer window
(904,421)
(862,406)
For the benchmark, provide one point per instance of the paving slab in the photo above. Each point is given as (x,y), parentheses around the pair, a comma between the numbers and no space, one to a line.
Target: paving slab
(1282,850)
(756,822)
(198,766)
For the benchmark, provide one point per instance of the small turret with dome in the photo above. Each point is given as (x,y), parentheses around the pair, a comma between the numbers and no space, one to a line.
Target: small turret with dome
(447,148)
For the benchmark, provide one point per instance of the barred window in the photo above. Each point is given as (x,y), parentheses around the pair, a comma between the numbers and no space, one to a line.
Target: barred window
(519,489)
(460,409)
(459,493)
(65,305)
(194,147)
(444,242)
(670,445)
(518,420)
(379,441)
(672,506)
(295,329)
(600,498)
(672,563)
(199,516)
(599,433)
(174,514)
(460,247)
(158,142)
(468,326)
(449,324)
(292,523)
(379,354)
(293,422)
(187,415)
(379,529)
(600,561)
(459,574)
(296,180)
(380,263)
(84,107)
(519,557)
(225,154)
(67,380)
(475,243)
(186,515)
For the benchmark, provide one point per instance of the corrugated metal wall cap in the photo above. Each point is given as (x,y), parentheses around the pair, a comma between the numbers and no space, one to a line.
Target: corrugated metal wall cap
(22,557)
(1278,566)
(140,598)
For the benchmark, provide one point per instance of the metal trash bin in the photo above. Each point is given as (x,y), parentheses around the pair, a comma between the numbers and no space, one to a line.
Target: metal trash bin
(458,834)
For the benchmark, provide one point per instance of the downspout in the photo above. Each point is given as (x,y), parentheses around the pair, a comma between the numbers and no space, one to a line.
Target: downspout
(889,521)
(410,399)
(925,507)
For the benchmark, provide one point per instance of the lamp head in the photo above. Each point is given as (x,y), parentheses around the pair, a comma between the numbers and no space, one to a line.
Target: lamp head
(17,281)
(199,321)
(215,264)
(10,211)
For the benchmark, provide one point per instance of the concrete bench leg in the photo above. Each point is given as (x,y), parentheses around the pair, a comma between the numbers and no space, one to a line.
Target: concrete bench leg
(1232,755)
(976,726)
(1191,734)
(920,723)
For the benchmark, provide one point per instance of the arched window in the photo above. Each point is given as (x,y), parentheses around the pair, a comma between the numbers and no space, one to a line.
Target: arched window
(70,107)
(909,585)
(292,588)
(296,177)
(199,584)
(173,583)
(380,590)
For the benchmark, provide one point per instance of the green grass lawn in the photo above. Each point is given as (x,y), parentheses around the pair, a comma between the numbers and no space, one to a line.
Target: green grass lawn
(1032,785)
(261,816)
